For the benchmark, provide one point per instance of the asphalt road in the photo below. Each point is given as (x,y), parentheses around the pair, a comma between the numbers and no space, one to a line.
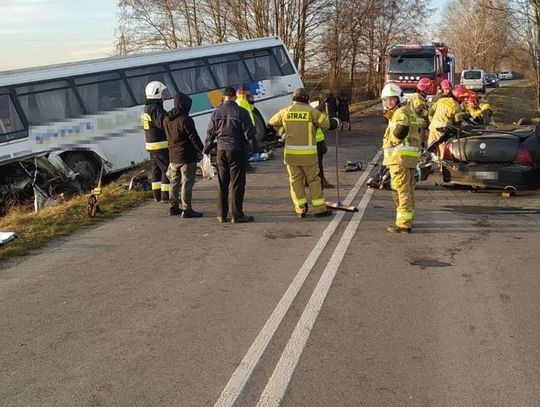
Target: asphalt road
(149,310)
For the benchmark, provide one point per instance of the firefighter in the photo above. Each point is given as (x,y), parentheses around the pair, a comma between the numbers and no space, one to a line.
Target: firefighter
(444,90)
(471,109)
(300,122)
(487,113)
(447,112)
(419,104)
(156,140)
(401,146)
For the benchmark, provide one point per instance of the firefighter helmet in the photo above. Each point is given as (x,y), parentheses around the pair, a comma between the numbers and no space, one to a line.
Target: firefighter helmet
(472,97)
(424,85)
(461,93)
(445,84)
(391,89)
(154,90)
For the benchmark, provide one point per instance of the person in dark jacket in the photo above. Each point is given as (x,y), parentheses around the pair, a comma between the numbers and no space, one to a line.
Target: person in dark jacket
(330,105)
(156,141)
(343,110)
(230,126)
(185,147)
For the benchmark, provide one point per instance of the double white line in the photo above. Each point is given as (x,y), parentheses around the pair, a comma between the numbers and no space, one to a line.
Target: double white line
(277,385)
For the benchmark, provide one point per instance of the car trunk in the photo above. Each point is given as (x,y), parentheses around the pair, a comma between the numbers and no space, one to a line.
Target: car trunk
(486,148)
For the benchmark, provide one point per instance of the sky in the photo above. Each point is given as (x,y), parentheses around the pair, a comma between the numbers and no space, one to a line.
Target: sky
(43,32)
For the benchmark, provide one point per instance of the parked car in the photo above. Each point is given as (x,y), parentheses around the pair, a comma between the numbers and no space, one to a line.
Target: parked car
(474,79)
(488,158)
(505,75)
(492,81)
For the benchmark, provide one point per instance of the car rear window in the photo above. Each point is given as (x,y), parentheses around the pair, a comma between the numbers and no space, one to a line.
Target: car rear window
(472,75)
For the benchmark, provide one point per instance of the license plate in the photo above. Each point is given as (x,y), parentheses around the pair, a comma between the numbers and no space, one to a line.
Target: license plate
(487,175)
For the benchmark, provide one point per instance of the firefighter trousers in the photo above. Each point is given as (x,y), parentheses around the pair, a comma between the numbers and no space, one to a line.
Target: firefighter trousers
(297,174)
(403,183)
(160,182)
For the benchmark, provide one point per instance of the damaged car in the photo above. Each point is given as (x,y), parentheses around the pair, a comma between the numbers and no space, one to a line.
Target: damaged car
(492,158)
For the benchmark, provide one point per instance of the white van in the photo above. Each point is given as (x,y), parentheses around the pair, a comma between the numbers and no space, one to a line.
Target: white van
(474,79)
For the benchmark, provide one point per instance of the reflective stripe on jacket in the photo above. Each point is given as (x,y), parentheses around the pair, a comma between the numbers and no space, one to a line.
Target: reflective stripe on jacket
(300,122)
(158,145)
(404,152)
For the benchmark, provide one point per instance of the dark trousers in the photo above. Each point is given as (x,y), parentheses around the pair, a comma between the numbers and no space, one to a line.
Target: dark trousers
(160,182)
(321,151)
(231,172)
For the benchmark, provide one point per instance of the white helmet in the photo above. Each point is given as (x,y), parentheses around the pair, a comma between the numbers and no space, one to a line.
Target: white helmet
(154,90)
(391,89)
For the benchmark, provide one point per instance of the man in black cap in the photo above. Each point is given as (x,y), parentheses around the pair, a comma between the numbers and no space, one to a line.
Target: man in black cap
(231,127)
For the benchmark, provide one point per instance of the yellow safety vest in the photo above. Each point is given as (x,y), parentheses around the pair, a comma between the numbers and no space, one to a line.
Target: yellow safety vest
(241,100)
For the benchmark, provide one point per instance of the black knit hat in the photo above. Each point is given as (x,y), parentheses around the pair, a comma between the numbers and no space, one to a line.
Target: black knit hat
(229,91)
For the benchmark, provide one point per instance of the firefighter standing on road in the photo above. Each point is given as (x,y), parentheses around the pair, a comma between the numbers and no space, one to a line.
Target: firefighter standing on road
(401,146)
(300,122)
(156,140)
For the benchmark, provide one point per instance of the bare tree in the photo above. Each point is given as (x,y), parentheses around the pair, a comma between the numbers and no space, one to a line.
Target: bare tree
(473,29)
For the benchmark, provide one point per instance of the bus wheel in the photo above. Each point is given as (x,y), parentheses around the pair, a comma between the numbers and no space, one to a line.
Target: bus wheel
(85,165)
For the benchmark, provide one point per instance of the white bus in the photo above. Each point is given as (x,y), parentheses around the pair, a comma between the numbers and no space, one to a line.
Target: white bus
(89,112)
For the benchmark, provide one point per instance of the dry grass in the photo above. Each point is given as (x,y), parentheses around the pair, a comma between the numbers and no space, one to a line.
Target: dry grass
(510,103)
(35,229)
(357,107)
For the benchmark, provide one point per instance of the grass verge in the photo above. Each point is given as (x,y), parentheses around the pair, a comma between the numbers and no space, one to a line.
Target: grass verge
(357,107)
(36,229)
(510,103)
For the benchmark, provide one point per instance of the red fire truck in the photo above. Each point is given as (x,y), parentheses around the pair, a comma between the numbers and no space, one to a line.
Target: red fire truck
(408,63)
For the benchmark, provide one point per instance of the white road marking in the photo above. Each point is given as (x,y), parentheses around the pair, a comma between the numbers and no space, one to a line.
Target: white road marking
(278,383)
(244,370)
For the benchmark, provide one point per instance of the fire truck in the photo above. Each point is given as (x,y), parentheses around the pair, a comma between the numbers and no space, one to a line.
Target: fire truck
(408,63)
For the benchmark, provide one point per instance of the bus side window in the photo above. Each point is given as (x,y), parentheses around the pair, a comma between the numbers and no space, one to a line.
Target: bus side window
(229,72)
(103,92)
(283,60)
(10,121)
(140,77)
(192,76)
(262,65)
(45,106)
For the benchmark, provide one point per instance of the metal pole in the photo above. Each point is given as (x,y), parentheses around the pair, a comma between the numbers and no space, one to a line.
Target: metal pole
(337,169)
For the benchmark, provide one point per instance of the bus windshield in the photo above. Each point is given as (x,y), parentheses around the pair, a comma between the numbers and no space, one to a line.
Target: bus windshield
(411,64)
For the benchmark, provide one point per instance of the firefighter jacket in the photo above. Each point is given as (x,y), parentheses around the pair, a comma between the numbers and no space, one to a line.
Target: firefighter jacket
(420,106)
(446,112)
(241,100)
(152,119)
(401,141)
(300,122)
